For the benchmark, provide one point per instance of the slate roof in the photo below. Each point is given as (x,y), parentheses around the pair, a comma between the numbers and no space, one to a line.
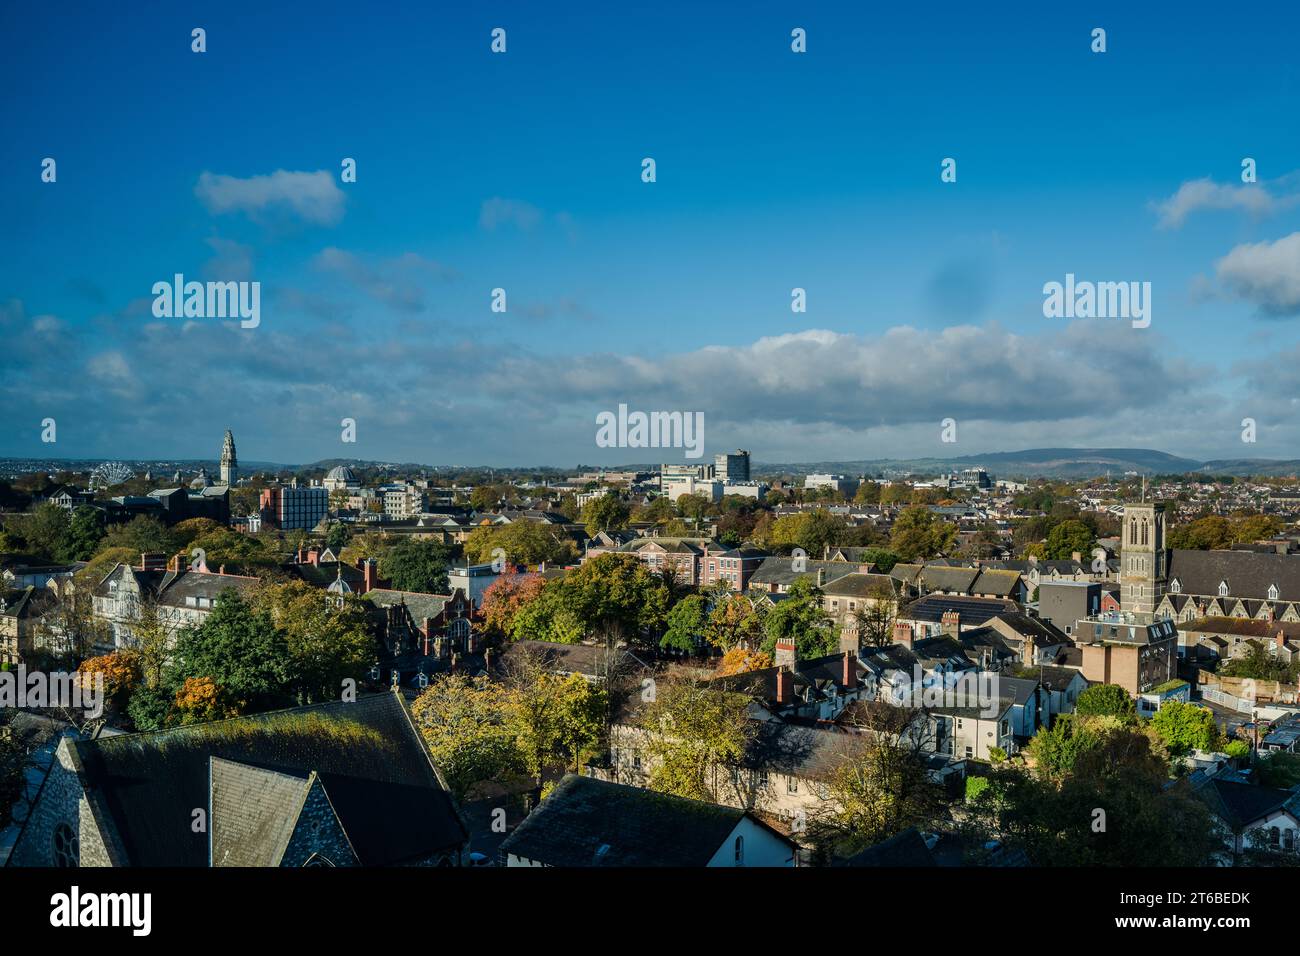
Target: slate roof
(1242,626)
(818,674)
(419,604)
(904,849)
(1248,573)
(1241,804)
(171,588)
(368,753)
(1044,633)
(859,585)
(958,580)
(588,822)
(779,571)
(973,611)
(254,812)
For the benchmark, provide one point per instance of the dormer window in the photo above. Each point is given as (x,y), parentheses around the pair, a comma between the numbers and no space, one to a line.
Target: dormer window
(1175,586)
(1223,589)
(1272,592)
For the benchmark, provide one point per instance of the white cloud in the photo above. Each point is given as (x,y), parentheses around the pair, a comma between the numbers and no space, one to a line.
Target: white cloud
(397,283)
(313,198)
(1198,194)
(496,212)
(1266,273)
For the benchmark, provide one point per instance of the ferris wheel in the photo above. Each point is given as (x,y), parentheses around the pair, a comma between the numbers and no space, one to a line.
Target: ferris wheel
(109,473)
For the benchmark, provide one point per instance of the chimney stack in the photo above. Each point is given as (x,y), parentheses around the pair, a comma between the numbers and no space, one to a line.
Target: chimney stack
(1077,556)
(849,677)
(313,557)
(784,686)
(903,633)
(369,575)
(951,623)
(787,654)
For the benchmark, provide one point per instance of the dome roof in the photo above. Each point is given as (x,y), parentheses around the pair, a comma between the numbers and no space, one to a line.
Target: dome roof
(341,473)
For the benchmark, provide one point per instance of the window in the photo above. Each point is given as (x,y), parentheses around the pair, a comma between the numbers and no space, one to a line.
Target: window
(1272,592)
(67,847)
(740,851)
(792,784)
(1175,586)
(970,751)
(1223,589)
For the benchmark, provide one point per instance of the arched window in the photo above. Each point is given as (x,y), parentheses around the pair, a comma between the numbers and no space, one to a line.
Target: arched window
(1274,836)
(740,850)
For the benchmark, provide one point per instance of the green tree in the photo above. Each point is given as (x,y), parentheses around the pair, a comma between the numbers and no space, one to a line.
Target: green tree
(522,542)
(800,617)
(687,622)
(607,513)
(329,637)
(1107,700)
(468,725)
(734,622)
(1185,727)
(416,564)
(919,533)
(695,735)
(241,650)
(142,533)
(1069,538)
(85,531)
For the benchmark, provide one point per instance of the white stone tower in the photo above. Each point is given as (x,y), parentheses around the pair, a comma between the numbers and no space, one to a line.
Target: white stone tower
(229,464)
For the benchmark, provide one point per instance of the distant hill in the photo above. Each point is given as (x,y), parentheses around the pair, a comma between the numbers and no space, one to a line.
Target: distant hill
(1047,463)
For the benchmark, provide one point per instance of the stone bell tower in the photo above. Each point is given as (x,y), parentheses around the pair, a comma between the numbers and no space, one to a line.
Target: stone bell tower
(229,463)
(1143,559)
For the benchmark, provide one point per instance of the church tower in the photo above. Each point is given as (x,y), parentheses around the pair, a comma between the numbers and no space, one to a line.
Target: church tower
(1143,559)
(229,464)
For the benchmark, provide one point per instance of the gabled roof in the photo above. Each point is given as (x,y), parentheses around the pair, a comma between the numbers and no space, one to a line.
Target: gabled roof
(368,754)
(418,604)
(973,611)
(779,571)
(904,849)
(1240,805)
(588,822)
(1248,573)
(859,585)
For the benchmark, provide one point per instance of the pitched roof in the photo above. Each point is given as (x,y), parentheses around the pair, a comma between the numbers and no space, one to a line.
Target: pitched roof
(973,611)
(859,585)
(903,849)
(1248,573)
(1241,804)
(150,783)
(780,571)
(588,822)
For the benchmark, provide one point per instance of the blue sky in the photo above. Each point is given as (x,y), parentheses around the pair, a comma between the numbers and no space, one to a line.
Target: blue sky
(522,171)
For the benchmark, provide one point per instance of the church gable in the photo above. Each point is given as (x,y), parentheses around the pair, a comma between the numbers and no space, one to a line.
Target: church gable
(318,838)
(67,827)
